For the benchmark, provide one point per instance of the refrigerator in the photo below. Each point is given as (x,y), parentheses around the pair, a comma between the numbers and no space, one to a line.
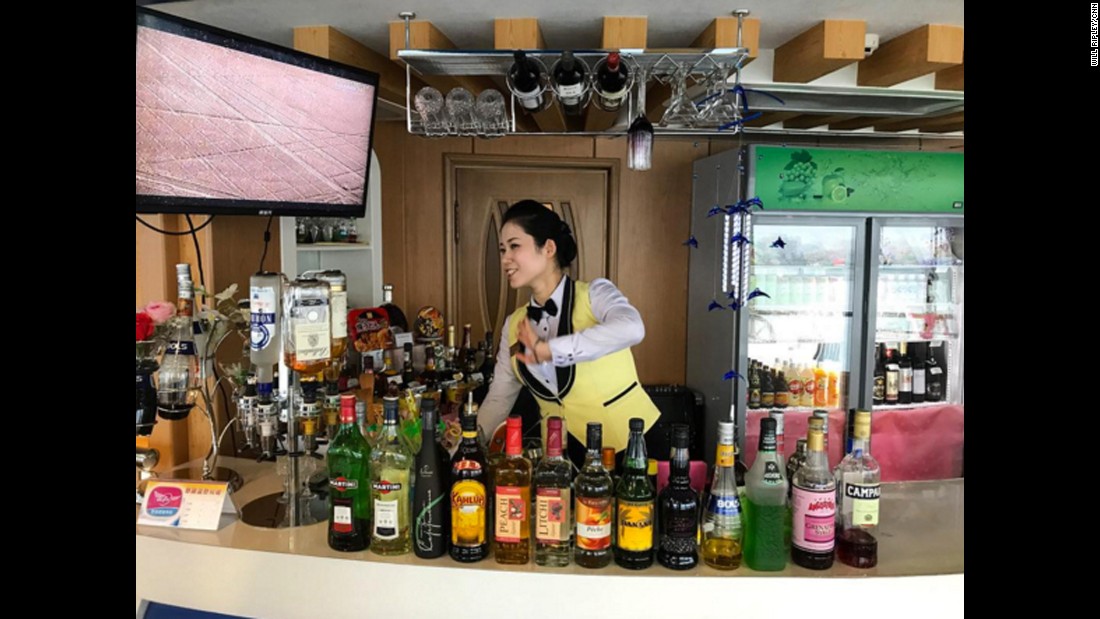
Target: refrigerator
(856,252)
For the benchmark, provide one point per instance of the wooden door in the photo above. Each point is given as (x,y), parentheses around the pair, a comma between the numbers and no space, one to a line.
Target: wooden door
(581,196)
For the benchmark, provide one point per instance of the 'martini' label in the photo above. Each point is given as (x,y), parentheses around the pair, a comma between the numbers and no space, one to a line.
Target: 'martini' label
(552,515)
(635,525)
(593,523)
(511,514)
(814,521)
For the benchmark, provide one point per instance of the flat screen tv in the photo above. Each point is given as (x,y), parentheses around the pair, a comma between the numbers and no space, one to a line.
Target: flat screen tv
(228,124)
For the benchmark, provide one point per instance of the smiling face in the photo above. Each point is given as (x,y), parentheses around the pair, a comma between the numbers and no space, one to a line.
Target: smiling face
(521,259)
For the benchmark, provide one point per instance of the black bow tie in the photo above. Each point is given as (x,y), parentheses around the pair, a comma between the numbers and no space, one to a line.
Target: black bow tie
(535,313)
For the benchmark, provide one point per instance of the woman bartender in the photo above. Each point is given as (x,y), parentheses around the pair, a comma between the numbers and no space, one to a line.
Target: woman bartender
(570,347)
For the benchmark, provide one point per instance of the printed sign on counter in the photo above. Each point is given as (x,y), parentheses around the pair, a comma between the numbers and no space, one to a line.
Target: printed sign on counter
(185,504)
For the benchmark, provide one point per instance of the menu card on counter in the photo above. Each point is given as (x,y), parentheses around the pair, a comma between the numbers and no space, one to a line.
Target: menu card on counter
(186,504)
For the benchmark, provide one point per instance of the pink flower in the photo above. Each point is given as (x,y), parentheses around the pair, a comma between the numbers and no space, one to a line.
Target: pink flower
(145,326)
(160,311)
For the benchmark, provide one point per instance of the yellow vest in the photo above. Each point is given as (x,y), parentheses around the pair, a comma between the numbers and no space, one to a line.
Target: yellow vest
(606,390)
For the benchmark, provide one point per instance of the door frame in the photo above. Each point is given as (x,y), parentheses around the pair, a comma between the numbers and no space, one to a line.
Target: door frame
(452,163)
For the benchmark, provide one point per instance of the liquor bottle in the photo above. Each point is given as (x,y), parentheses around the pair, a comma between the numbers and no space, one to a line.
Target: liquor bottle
(593,493)
(857,484)
(331,410)
(635,502)
(338,310)
(833,401)
(525,75)
(905,368)
(767,388)
(679,507)
(935,377)
(722,533)
(782,391)
(553,505)
(512,494)
(796,461)
(431,509)
(408,374)
(809,385)
(794,385)
(607,456)
(389,375)
(766,515)
(349,497)
(450,353)
(780,436)
(467,355)
(469,497)
(397,317)
(265,316)
(613,77)
(569,77)
(893,378)
(488,364)
(813,500)
(878,393)
(391,479)
(178,378)
(919,377)
(307,327)
(430,376)
(823,415)
(755,394)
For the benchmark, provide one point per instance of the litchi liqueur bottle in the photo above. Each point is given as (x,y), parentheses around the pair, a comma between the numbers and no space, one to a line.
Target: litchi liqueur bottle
(349,483)
(635,500)
(512,495)
(679,505)
(593,504)
(391,484)
(553,503)
(469,497)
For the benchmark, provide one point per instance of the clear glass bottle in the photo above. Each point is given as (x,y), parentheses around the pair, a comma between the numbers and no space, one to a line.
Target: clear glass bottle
(858,490)
(178,377)
(722,532)
(797,460)
(349,484)
(593,492)
(813,525)
(512,496)
(307,327)
(265,318)
(553,504)
(766,515)
(635,504)
(391,483)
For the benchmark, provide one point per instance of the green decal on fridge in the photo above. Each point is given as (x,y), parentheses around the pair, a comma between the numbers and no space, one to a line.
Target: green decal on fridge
(827,180)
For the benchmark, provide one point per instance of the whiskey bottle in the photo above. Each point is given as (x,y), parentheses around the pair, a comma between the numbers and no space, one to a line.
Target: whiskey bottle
(553,504)
(349,502)
(469,497)
(635,504)
(391,480)
(679,506)
(512,495)
(593,505)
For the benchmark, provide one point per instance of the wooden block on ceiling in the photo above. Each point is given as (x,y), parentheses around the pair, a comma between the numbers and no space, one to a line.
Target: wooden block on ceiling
(923,123)
(618,33)
(524,33)
(927,49)
(424,35)
(328,42)
(950,79)
(722,32)
(828,46)
(518,33)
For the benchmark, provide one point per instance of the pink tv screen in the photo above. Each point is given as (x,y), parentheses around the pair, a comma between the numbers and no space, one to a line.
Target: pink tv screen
(231,124)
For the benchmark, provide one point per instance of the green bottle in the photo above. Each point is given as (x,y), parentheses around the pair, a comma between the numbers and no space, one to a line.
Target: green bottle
(391,482)
(349,498)
(767,518)
(635,499)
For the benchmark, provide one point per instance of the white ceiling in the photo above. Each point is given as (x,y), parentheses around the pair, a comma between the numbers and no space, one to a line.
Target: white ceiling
(565,24)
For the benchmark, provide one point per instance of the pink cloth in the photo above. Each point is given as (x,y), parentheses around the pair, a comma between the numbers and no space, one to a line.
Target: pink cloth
(910,444)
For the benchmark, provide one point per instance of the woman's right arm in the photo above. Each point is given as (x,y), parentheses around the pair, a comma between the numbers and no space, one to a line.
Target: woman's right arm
(502,392)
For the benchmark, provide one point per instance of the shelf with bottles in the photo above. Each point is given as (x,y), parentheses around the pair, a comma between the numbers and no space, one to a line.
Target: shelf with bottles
(897,407)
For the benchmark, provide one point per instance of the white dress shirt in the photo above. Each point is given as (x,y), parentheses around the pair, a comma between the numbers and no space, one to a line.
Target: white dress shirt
(620,326)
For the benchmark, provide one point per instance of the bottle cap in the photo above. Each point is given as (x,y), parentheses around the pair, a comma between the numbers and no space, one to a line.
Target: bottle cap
(637,424)
(681,436)
(595,435)
(725,431)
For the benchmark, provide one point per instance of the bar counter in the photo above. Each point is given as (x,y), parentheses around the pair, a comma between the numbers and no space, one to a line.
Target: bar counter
(288,573)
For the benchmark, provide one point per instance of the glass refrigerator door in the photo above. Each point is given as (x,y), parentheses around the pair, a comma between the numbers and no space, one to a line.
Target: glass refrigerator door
(803,338)
(916,360)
